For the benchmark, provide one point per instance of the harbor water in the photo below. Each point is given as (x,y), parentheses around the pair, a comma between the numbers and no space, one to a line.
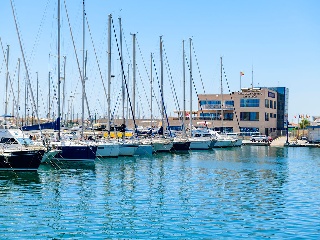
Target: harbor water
(250,192)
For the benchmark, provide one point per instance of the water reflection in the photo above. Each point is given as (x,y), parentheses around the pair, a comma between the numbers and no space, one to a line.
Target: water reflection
(245,192)
(18,178)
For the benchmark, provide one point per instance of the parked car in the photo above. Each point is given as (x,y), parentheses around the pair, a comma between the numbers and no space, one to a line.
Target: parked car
(259,138)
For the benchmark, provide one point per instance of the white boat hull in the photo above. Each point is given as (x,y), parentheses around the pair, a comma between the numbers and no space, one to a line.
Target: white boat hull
(127,149)
(162,146)
(144,150)
(223,143)
(108,150)
(237,143)
(200,144)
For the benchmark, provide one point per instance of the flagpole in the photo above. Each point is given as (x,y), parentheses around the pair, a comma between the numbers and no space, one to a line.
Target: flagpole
(241,73)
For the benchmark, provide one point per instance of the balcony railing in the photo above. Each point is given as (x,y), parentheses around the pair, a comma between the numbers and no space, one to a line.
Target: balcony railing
(216,107)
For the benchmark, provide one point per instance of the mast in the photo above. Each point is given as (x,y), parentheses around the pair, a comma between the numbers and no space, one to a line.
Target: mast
(151,92)
(7,78)
(190,115)
(59,113)
(221,96)
(18,101)
(37,91)
(184,92)
(109,73)
(49,97)
(134,81)
(25,101)
(85,78)
(83,69)
(127,98)
(122,77)
(161,85)
(64,86)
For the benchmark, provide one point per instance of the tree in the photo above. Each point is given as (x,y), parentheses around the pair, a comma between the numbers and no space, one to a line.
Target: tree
(304,123)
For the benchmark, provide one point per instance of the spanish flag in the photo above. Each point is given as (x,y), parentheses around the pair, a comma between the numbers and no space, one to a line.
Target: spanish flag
(241,73)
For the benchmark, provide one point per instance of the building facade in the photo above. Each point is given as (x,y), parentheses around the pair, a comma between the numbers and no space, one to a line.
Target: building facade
(248,111)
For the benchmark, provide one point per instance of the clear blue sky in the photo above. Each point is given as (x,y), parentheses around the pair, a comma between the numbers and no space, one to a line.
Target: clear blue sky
(279,39)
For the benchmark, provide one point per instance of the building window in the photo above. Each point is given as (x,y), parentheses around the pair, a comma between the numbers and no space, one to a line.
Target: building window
(249,116)
(249,102)
(275,105)
(266,116)
(229,104)
(266,103)
(248,131)
(210,116)
(271,104)
(210,104)
(228,116)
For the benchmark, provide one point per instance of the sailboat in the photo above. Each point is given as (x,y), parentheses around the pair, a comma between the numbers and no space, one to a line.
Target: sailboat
(197,141)
(182,143)
(162,144)
(15,153)
(69,149)
(221,139)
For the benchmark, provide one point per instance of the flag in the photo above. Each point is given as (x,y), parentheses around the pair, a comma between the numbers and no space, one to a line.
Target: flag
(241,73)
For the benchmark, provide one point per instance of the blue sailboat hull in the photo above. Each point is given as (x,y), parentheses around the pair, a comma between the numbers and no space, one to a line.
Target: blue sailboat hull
(76,153)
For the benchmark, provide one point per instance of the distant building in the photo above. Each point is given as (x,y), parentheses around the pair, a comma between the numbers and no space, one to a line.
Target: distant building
(250,110)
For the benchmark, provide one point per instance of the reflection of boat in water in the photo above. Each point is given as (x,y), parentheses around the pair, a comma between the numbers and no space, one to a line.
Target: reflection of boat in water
(60,165)
(20,177)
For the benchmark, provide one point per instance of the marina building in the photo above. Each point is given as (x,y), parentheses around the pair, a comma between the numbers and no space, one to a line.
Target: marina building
(251,110)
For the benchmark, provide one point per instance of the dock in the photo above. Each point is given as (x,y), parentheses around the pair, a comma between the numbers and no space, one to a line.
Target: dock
(282,142)
(250,143)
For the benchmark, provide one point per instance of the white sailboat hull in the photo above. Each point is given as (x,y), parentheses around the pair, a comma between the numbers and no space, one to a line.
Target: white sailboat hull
(144,150)
(127,149)
(108,150)
(162,145)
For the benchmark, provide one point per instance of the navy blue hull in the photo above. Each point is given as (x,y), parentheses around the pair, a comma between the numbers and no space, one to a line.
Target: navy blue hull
(181,146)
(21,160)
(76,153)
